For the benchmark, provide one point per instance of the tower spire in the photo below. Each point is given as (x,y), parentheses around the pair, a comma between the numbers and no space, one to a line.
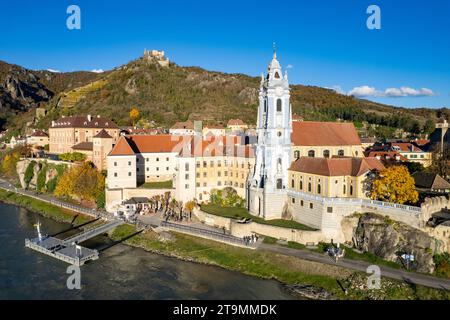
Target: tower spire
(274,47)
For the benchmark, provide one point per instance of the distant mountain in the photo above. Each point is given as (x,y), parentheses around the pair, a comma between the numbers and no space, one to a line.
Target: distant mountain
(22,89)
(174,93)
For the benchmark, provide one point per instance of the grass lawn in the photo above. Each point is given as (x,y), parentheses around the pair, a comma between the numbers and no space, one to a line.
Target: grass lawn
(238,213)
(157,185)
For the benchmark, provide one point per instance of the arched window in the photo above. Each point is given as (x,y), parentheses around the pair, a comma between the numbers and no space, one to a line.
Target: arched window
(319,189)
(344,190)
(311,153)
(326,153)
(279,184)
(296,154)
(309,187)
(277,75)
(351,190)
(356,153)
(265,105)
(301,185)
(279,105)
(292,183)
(340,153)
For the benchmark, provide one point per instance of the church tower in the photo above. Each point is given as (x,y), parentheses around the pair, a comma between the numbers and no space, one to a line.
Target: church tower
(267,194)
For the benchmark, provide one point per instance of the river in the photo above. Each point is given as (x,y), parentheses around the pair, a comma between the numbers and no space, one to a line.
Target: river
(122,272)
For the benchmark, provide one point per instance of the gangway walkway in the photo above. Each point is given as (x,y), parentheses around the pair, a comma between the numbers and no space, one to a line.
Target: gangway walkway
(92,232)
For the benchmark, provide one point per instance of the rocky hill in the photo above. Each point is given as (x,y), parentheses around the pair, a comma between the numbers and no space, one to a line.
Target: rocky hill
(166,94)
(22,90)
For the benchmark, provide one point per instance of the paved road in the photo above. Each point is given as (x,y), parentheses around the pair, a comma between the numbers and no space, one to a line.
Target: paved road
(397,274)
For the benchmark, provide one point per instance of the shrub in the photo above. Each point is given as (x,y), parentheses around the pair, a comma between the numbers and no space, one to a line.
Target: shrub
(442,264)
(40,185)
(29,173)
(73,157)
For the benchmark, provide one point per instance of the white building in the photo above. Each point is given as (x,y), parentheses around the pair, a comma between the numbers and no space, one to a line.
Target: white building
(135,160)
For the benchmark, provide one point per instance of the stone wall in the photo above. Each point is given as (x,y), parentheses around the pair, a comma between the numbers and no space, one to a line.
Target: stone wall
(434,205)
(245,229)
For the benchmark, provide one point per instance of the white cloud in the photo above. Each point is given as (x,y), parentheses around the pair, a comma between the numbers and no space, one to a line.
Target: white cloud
(97,70)
(366,91)
(289,66)
(53,70)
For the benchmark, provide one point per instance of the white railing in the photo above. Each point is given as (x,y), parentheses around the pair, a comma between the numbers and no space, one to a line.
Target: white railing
(356,201)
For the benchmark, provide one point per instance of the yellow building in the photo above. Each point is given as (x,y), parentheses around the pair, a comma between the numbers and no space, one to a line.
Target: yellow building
(413,153)
(38,139)
(214,163)
(237,125)
(332,178)
(325,140)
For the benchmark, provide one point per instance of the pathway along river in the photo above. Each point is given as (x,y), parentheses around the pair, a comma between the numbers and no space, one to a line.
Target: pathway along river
(122,272)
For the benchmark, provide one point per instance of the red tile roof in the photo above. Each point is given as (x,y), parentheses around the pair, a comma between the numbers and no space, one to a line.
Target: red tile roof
(39,133)
(236,122)
(164,143)
(184,125)
(386,155)
(103,134)
(87,146)
(83,122)
(309,133)
(406,147)
(336,166)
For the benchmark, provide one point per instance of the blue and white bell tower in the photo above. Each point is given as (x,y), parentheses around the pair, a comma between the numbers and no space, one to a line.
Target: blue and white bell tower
(267,192)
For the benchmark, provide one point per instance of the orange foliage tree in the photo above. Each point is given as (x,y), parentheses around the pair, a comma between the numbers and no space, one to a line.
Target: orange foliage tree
(134,115)
(395,184)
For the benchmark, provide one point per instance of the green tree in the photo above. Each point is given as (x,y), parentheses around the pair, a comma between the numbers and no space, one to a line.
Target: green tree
(429,126)
(29,173)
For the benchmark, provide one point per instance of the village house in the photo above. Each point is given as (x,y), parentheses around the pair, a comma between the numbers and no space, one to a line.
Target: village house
(409,151)
(236,125)
(38,139)
(213,130)
(183,128)
(430,182)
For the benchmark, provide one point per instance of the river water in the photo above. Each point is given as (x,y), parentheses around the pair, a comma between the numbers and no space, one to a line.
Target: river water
(122,272)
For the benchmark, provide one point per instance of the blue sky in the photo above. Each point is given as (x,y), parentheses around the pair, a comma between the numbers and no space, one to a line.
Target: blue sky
(325,43)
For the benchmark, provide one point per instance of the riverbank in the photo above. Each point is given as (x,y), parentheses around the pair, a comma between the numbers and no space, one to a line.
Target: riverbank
(268,265)
(43,208)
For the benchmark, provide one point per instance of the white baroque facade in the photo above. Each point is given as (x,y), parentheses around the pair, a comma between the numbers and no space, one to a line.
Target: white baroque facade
(267,189)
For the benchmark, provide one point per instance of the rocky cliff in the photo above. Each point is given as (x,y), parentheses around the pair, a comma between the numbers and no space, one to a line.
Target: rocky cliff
(388,239)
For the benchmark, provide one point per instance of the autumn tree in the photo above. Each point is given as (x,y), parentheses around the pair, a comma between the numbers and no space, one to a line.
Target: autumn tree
(134,115)
(9,163)
(189,207)
(82,182)
(395,184)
